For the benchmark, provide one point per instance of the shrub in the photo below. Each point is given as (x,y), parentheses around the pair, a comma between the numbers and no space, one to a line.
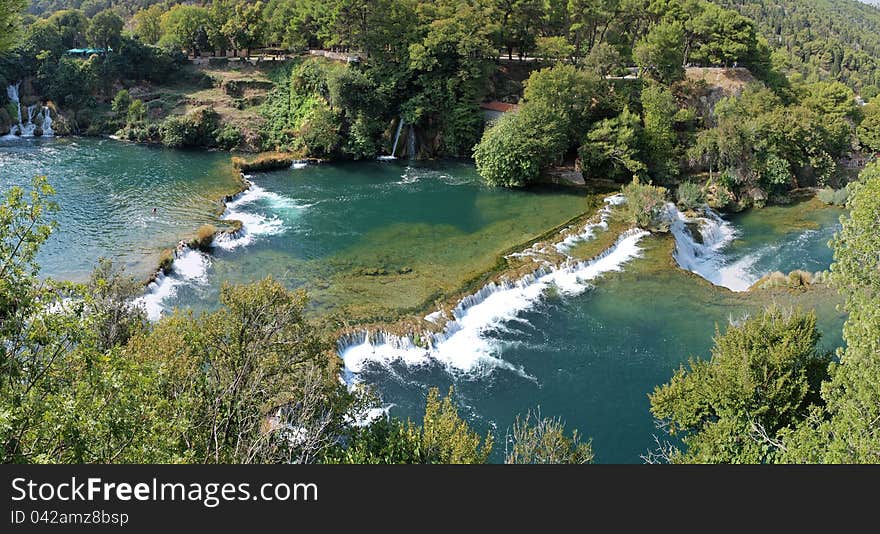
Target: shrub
(519,145)
(644,207)
(173,131)
(689,195)
(166,260)
(228,137)
(204,237)
(320,132)
(834,197)
(199,128)
(269,161)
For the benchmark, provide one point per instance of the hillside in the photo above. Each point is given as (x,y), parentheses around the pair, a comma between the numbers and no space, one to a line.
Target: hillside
(838,39)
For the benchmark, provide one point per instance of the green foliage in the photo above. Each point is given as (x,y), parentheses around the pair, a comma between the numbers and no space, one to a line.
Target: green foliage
(645,205)
(690,196)
(186,27)
(148,24)
(764,145)
(228,137)
(568,93)
(444,437)
(197,129)
(759,384)
(319,131)
(869,128)
(612,148)
(542,440)
(658,109)
(660,54)
(121,103)
(554,48)
(9,22)
(848,430)
(105,30)
(519,145)
(834,197)
(831,40)
(136,112)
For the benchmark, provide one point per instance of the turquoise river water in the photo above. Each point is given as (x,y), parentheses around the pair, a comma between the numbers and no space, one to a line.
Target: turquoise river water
(386,238)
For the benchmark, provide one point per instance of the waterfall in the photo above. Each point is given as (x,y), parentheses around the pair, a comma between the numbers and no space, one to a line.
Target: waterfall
(394,146)
(47,122)
(466,344)
(699,243)
(27,129)
(397,136)
(12,93)
(411,143)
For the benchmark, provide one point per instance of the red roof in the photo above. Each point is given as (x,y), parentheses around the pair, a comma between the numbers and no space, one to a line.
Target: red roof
(496,105)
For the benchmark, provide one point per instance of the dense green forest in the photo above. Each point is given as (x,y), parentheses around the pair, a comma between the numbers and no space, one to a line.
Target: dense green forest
(430,64)
(84,377)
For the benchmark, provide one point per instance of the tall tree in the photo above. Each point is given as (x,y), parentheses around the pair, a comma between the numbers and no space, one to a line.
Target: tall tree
(9,22)
(738,406)
(105,30)
(849,429)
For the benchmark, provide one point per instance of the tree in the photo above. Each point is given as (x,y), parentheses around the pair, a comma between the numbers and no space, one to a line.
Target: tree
(660,53)
(238,374)
(645,206)
(569,93)
(589,23)
(72,25)
(542,440)
(9,22)
(869,129)
(519,145)
(832,99)
(553,48)
(244,30)
(848,430)
(738,407)
(443,437)
(186,27)
(517,29)
(612,148)
(137,112)
(148,24)
(120,103)
(604,59)
(64,397)
(105,30)
(658,108)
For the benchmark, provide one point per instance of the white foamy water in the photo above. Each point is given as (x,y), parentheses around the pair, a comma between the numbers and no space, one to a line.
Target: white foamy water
(253,223)
(464,346)
(589,231)
(190,267)
(703,255)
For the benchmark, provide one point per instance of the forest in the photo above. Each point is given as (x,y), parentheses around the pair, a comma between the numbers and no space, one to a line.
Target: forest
(793,123)
(610,89)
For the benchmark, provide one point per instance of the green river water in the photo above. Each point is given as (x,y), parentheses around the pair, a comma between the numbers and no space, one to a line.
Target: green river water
(381,239)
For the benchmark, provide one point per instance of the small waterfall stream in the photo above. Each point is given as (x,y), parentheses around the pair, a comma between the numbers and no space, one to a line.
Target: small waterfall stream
(699,242)
(29,128)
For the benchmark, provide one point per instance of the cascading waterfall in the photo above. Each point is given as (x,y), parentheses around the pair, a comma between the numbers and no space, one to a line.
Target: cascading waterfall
(27,129)
(396,139)
(462,346)
(12,93)
(47,122)
(190,266)
(699,242)
(397,136)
